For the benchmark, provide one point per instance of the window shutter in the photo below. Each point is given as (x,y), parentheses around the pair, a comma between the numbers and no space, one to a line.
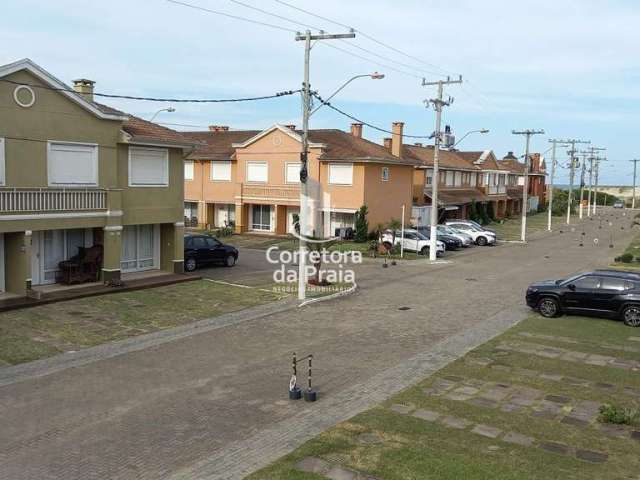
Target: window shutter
(148,167)
(221,171)
(72,164)
(257,172)
(341,174)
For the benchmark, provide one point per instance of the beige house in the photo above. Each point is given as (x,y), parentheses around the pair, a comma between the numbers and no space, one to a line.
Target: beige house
(76,173)
(250,179)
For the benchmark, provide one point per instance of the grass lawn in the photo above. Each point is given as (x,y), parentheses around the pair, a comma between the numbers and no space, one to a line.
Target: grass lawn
(534,415)
(510,228)
(634,250)
(47,330)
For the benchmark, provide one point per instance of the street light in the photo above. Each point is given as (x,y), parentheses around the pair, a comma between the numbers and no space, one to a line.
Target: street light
(372,76)
(168,109)
(482,130)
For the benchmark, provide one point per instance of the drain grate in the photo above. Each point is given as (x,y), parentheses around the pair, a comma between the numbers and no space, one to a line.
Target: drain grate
(404,308)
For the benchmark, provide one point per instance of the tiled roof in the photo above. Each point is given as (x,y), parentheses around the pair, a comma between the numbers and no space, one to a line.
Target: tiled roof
(218,145)
(145,131)
(446,158)
(512,165)
(489,162)
(459,196)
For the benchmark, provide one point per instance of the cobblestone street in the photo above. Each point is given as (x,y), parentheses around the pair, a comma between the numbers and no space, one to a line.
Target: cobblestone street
(213,403)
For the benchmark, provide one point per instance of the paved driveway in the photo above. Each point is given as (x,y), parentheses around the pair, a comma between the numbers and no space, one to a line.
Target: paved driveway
(213,405)
(252,269)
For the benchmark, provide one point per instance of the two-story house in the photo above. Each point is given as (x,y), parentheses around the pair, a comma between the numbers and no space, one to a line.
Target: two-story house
(76,173)
(537,178)
(250,179)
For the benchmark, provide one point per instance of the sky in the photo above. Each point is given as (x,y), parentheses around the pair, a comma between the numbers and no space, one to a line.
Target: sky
(569,67)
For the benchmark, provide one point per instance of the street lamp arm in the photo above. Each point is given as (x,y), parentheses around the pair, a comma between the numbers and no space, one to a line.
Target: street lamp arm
(375,76)
(482,130)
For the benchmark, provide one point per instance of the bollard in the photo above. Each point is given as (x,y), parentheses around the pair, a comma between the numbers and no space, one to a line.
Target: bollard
(309,394)
(294,390)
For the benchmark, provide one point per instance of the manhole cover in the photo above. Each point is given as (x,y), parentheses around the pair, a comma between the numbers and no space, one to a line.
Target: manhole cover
(404,308)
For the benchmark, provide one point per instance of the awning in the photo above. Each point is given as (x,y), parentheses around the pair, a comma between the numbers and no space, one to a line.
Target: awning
(459,196)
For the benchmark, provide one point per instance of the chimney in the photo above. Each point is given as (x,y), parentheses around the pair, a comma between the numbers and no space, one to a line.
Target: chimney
(218,128)
(291,127)
(356,130)
(84,87)
(396,142)
(387,143)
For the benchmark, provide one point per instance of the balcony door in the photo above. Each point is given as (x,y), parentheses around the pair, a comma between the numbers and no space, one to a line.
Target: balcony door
(140,248)
(261,218)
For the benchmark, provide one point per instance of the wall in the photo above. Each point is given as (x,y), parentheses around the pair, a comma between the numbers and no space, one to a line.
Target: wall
(385,199)
(205,189)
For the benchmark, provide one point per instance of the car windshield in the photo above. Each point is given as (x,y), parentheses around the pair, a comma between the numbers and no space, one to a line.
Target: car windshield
(422,236)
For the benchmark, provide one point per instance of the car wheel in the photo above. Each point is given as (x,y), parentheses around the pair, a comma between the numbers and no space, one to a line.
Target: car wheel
(424,251)
(190,265)
(230,261)
(631,316)
(548,307)
(482,241)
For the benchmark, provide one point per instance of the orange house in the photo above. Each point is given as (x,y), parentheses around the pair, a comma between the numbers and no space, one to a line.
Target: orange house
(250,179)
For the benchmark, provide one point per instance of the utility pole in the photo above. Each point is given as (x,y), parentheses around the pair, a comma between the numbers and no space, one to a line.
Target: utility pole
(554,162)
(592,157)
(437,103)
(633,200)
(305,230)
(595,191)
(525,188)
(584,164)
(572,164)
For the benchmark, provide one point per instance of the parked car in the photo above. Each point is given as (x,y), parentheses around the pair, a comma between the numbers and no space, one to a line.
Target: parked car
(466,239)
(480,235)
(414,241)
(469,222)
(450,242)
(200,250)
(604,293)
(618,204)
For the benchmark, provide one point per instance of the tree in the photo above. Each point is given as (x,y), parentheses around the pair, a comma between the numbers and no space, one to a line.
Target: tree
(362,225)
(473,211)
(491,214)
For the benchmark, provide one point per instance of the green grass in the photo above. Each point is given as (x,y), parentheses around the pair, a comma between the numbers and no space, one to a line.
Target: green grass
(412,448)
(510,228)
(46,330)
(632,249)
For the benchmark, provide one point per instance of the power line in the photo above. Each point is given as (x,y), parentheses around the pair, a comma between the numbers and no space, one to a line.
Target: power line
(356,119)
(158,99)
(275,15)
(373,61)
(369,37)
(228,15)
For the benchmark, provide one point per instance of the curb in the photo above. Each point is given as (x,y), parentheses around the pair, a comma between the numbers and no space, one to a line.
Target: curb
(342,293)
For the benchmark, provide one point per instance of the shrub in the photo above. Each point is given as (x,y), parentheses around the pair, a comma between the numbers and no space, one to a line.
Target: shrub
(625,258)
(362,225)
(225,232)
(473,212)
(619,415)
(491,214)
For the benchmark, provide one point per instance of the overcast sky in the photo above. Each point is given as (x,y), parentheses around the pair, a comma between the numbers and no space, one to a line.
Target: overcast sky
(570,67)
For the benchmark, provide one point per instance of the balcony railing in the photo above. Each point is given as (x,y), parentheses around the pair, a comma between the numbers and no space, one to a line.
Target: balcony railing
(42,200)
(271,192)
(496,189)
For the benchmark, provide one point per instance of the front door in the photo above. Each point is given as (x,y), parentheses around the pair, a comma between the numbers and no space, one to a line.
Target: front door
(608,291)
(582,294)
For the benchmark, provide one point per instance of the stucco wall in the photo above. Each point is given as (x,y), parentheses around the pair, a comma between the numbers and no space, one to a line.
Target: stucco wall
(385,199)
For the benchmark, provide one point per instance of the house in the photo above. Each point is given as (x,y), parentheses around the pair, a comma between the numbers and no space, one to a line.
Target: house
(76,173)
(250,179)
(537,178)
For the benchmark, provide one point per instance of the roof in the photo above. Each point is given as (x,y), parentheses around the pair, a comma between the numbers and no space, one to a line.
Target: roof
(485,159)
(143,131)
(512,165)
(459,196)
(446,158)
(218,145)
(336,145)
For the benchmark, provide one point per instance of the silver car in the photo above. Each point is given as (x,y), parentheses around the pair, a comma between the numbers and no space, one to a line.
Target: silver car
(466,240)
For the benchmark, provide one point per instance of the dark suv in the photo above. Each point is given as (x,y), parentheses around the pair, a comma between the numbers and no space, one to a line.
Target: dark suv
(605,293)
(202,250)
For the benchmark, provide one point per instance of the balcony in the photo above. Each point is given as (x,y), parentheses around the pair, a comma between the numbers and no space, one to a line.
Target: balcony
(50,200)
(496,190)
(288,193)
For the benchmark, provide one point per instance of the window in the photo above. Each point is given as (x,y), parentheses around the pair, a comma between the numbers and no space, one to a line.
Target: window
(458,179)
(72,164)
(340,174)
(257,172)
(449,178)
(212,243)
(586,282)
(429,177)
(261,217)
(610,283)
(2,161)
(474,179)
(221,171)
(148,167)
(188,169)
(198,243)
(385,174)
(292,173)
(140,248)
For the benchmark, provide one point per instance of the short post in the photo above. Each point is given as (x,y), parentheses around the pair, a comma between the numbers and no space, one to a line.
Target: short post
(294,391)
(309,394)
